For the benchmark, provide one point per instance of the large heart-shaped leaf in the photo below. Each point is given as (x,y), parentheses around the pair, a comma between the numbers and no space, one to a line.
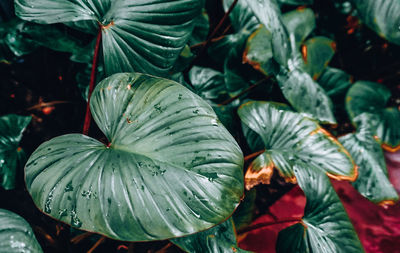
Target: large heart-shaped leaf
(219,239)
(170,169)
(372,97)
(325,226)
(292,140)
(373,182)
(305,95)
(382,16)
(16,235)
(11,155)
(144,35)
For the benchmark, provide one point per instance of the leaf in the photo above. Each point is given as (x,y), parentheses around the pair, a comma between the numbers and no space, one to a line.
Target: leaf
(292,141)
(170,169)
(243,216)
(200,30)
(269,14)
(305,95)
(209,83)
(11,155)
(371,97)
(317,52)
(16,235)
(258,52)
(325,226)
(381,16)
(221,238)
(16,41)
(296,2)
(335,82)
(372,182)
(145,35)
(299,24)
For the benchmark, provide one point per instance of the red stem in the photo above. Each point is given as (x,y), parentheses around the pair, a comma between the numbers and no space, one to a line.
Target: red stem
(266,224)
(88,115)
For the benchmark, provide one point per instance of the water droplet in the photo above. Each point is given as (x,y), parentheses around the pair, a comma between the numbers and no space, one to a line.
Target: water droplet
(49,199)
(69,187)
(62,212)
(75,221)
(214,122)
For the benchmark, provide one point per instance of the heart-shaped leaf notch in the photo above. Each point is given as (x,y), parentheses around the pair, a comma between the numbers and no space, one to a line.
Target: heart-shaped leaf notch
(142,35)
(290,140)
(171,168)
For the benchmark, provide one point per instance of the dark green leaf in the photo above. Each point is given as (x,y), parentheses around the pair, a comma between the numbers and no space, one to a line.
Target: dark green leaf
(325,226)
(201,29)
(16,41)
(243,216)
(11,155)
(16,235)
(219,239)
(292,140)
(171,168)
(335,82)
(371,97)
(317,53)
(242,18)
(299,24)
(209,83)
(372,182)
(382,16)
(145,36)
(296,2)
(269,14)
(305,95)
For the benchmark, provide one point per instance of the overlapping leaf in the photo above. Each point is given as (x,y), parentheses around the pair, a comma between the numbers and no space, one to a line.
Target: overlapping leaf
(11,155)
(299,24)
(16,235)
(382,16)
(171,168)
(145,35)
(219,239)
(325,226)
(209,83)
(372,97)
(292,141)
(373,182)
(335,82)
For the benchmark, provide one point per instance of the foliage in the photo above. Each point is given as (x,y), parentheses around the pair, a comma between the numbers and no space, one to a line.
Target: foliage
(179,91)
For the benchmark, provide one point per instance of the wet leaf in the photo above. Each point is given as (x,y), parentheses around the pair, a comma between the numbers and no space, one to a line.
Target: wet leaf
(299,24)
(305,95)
(372,97)
(16,235)
(145,36)
(382,16)
(292,141)
(219,239)
(171,169)
(12,156)
(372,182)
(325,226)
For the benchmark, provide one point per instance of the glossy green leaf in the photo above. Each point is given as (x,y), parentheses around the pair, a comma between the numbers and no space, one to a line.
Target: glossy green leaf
(305,95)
(325,226)
(382,16)
(16,235)
(299,24)
(258,51)
(372,182)
(269,14)
(171,169)
(209,83)
(317,53)
(219,239)
(11,155)
(144,35)
(292,141)
(243,216)
(242,18)
(372,97)
(16,41)
(335,82)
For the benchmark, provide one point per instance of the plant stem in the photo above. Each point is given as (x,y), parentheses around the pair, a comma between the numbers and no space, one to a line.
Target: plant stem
(43,104)
(221,22)
(230,100)
(248,157)
(266,224)
(77,239)
(88,115)
(100,241)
